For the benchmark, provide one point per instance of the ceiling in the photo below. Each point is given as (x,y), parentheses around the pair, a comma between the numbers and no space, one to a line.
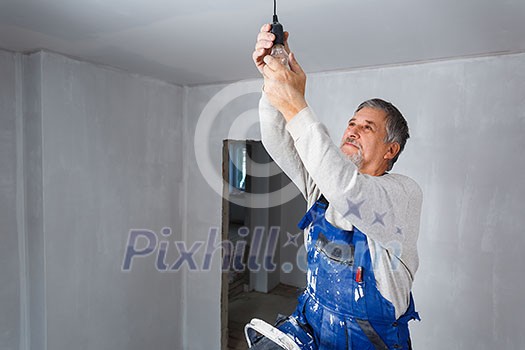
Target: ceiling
(191,42)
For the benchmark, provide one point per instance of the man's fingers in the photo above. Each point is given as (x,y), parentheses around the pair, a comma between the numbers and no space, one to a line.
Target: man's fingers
(294,65)
(264,41)
(265,37)
(260,52)
(263,44)
(264,72)
(258,55)
(267,73)
(286,46)
(262,47)
(266,27)
(272,63)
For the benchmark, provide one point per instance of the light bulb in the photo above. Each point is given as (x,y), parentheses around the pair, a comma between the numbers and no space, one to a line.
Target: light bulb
(280,53)
(278,50)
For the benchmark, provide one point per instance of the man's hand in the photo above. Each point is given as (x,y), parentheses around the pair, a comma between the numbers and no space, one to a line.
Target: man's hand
(284,87)
(264,44)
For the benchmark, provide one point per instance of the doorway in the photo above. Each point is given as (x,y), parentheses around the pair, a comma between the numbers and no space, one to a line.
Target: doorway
(247,292)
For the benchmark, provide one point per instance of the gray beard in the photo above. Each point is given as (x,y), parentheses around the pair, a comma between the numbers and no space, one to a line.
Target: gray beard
(356,158)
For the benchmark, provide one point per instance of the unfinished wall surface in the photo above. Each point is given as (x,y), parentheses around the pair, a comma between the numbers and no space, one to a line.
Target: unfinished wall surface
(32,211)
(467,123)
(203,203)
(111,149)
(9,246)
(97,153)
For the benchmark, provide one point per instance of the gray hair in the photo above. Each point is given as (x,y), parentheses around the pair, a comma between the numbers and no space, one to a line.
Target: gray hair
(396,124)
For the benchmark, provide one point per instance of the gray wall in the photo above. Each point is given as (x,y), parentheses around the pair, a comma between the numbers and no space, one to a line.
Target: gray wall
(265,279)
(9,246)
(33,268)
(101,155)
(467,120)
(201,289)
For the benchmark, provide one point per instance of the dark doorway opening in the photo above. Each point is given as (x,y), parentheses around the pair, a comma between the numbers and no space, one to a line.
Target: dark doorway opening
(246,293)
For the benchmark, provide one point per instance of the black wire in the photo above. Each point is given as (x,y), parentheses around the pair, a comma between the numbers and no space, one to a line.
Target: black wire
(275,7)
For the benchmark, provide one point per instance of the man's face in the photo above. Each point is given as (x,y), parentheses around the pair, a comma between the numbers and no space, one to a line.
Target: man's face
(363,139)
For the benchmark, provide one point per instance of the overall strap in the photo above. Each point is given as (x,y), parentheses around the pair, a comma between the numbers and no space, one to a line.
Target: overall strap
(411,313)
(318,208)
(323,200)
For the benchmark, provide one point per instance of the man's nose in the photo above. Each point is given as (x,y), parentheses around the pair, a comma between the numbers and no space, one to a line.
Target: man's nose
(353,131)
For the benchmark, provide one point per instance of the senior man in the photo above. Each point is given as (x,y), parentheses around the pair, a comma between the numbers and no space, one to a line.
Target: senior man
(362,226)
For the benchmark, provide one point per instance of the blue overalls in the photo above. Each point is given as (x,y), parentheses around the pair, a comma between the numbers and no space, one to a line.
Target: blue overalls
(341,307)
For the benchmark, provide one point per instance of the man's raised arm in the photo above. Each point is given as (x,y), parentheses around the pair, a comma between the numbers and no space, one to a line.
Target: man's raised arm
(275,138)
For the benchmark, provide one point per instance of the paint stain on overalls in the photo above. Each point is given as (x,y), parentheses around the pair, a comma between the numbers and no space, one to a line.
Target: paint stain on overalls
(341,307)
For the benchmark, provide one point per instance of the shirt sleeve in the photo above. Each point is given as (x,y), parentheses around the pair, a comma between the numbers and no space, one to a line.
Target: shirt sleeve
(280,145)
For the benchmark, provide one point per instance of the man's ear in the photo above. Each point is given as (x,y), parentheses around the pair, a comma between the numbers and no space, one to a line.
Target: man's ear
(392,150)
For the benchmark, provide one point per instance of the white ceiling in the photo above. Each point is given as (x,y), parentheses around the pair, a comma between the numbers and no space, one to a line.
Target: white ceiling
(191,42)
